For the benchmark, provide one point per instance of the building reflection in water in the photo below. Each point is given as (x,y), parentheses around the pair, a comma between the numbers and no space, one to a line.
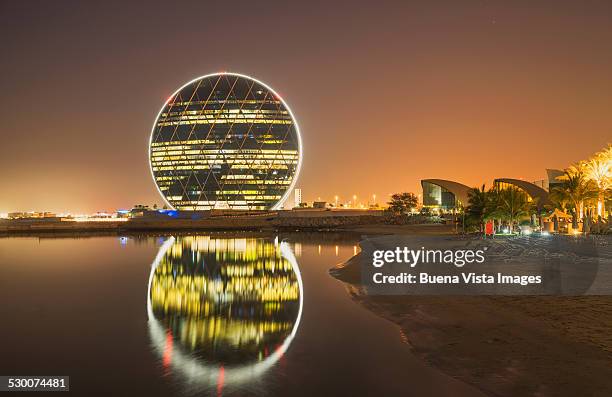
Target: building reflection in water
(222,311)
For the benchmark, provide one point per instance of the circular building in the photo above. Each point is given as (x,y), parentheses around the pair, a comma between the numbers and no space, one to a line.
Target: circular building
(225,141)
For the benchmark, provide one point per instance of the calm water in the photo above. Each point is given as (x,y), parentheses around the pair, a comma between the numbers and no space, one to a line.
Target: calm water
(220,314)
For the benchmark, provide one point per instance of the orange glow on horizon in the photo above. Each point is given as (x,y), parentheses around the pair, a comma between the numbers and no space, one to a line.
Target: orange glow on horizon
(460,98)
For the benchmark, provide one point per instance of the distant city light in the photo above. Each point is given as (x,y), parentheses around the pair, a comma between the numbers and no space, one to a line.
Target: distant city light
(98,219)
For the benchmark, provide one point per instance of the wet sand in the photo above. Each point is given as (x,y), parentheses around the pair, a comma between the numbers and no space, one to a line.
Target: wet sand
(505,346)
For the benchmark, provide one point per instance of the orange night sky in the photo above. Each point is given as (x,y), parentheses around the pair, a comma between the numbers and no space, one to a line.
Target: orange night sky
(386,93)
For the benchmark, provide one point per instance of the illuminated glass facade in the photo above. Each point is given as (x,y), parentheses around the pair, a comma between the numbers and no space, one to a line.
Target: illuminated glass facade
(225,141)
(437,196)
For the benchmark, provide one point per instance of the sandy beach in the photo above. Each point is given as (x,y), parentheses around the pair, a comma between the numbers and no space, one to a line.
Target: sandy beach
(503,345)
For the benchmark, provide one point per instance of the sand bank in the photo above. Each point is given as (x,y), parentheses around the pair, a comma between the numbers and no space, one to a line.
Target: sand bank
(505,346)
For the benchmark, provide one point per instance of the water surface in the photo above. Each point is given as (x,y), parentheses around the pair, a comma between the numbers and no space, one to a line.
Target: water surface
(219,314)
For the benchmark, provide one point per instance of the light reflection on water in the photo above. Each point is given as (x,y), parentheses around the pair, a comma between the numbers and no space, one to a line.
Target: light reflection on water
(222,311)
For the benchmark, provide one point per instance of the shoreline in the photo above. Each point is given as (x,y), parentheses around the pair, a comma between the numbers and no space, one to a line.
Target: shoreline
(503,345)
(363,224)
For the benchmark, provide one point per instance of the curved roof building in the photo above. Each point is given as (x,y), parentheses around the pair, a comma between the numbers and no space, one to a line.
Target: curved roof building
(225,141)
(444,194)
(533,191)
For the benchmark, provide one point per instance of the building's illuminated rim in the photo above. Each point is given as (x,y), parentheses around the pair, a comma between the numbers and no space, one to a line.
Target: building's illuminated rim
(202,372)
(227,141)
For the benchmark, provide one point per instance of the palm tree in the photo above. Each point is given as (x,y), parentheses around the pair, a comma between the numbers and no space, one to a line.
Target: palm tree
(476,210)
(558,200)
(575,190)
(608,204)
(599,170)
(513,205)
(537,211)
(493,207)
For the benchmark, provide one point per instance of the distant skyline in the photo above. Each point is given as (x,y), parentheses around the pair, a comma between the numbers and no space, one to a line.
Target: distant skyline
(385,93)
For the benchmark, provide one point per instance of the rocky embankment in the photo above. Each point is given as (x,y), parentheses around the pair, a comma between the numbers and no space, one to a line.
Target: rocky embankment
(266,222)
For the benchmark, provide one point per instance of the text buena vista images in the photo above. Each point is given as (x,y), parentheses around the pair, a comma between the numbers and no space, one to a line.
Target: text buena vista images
(458,258)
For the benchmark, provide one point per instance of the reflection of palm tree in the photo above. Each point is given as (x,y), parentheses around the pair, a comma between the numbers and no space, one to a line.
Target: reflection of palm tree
(575,190)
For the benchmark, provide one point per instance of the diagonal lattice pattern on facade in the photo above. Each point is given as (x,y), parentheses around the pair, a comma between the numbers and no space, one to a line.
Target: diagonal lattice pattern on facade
(225,141)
